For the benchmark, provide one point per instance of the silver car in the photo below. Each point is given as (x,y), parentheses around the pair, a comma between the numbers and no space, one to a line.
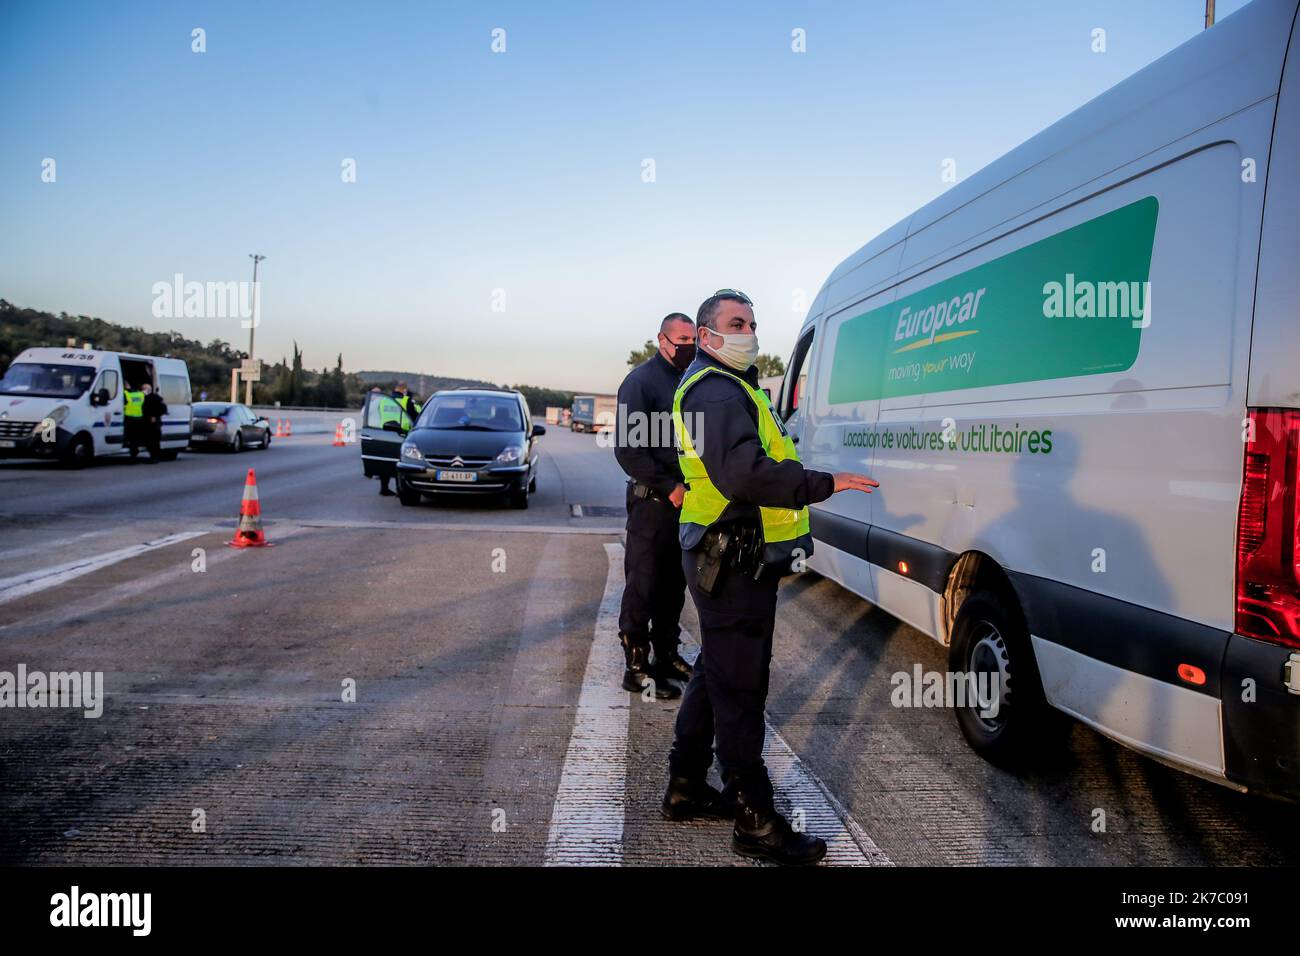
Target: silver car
(229,426)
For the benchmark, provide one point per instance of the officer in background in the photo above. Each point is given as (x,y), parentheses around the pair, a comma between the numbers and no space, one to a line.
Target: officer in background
(744,520)
(152,413)
(652,565)
(391,410)
(402,395)
(132,418)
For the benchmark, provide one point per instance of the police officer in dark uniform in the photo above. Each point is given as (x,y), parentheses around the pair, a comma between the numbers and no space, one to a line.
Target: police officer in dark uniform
(655,590)
(153,411)
(744,521)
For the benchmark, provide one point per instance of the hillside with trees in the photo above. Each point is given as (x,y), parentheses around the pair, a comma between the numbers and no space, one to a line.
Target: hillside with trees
(287,381)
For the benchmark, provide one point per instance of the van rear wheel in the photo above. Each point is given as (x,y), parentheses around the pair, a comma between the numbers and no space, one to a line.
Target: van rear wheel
(1007,719)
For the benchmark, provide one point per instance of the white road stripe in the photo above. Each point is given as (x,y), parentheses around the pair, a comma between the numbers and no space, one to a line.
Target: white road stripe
(799,789)
(46,546)
(590,803)
(31,582)
(587,819)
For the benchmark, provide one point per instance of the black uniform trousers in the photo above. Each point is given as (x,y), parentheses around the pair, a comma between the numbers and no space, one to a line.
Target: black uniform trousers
(131,437)
(727,693)
(655,590)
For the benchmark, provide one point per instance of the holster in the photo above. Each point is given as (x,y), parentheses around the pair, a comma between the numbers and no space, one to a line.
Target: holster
(736,546)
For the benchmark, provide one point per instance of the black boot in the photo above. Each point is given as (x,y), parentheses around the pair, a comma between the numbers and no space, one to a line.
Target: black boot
(764,834)
(636,654)
(688,799)
(670,665)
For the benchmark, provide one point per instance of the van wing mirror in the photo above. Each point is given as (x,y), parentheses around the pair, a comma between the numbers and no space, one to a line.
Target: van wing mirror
(100,397)
(539,430)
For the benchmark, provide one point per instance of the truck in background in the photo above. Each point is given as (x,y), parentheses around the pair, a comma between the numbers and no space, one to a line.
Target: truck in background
(593,412)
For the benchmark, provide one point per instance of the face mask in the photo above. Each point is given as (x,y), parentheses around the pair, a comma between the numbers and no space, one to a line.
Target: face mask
(737,350)
(683,355)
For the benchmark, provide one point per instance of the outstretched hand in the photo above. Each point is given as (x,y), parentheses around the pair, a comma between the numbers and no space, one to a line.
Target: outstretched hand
(849,481)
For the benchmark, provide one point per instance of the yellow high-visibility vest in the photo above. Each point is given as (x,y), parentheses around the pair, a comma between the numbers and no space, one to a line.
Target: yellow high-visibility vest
(133,404)
(784,529)
(390,410)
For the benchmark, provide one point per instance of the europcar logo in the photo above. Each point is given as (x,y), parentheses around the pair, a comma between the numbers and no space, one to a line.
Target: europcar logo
(928,321)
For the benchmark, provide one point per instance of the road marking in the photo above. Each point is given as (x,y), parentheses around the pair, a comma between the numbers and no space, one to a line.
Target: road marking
(590,803)
(608,531)
(798,788)
(587,819)
(45,547)
(31,582)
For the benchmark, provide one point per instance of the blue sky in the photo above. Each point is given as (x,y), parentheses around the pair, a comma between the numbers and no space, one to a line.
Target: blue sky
(519,171)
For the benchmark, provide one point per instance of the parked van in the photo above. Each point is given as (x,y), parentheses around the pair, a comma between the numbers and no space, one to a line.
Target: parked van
(67,403)
(1076,376)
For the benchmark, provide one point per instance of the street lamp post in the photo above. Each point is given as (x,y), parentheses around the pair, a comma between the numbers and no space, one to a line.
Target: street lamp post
(252,328)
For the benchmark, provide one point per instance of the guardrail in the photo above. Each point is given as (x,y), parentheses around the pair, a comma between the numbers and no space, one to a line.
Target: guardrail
(306,408)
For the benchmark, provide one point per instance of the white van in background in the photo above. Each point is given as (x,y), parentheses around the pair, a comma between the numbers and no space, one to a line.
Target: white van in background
(1076,376)
(67,403)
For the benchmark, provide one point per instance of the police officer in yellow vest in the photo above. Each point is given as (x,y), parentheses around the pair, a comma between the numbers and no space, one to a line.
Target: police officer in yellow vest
(393,409)
(402,395)
(744,521)
(132,418)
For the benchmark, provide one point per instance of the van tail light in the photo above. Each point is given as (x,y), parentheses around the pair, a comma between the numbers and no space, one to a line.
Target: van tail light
(1268,529)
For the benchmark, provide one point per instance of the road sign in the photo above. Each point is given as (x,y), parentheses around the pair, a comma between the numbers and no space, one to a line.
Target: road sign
(250,370)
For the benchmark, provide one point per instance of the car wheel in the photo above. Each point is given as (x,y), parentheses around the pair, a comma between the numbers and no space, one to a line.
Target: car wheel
(407,496)
(532,485)
(266,441)
(237,445)
(1009,723)
(80,453)
(519,499)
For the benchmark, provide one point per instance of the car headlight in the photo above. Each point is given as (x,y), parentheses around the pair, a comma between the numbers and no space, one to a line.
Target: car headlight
(411,452)
(510,455)
(52,420)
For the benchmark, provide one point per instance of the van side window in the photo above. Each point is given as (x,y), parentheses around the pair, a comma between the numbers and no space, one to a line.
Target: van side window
(796,377)
(108,379)
(175,389)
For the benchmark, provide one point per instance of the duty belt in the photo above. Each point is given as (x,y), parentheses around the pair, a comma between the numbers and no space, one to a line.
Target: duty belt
(730,546)
(645,491)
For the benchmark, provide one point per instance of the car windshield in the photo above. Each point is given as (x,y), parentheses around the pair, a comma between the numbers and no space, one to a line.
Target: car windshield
(210,411)
(495,413)
(46,380)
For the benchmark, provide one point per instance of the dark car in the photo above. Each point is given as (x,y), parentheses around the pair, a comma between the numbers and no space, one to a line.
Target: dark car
(229,426)
(471,441)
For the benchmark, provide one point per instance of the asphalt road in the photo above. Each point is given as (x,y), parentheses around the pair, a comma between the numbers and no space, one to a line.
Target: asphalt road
(435,685)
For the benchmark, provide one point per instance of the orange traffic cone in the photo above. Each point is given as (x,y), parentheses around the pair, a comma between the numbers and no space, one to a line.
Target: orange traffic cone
(249,534)
(288,429)
(279,428)
(338,435)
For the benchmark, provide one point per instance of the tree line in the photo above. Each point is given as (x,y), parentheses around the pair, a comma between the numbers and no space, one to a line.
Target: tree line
(287,381)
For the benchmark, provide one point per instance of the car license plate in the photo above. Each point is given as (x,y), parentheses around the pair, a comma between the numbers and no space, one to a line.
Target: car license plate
(456,475)
(8,444)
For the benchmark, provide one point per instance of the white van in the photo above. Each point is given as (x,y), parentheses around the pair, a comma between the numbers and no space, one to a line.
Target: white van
(1076,376)
(67,403)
